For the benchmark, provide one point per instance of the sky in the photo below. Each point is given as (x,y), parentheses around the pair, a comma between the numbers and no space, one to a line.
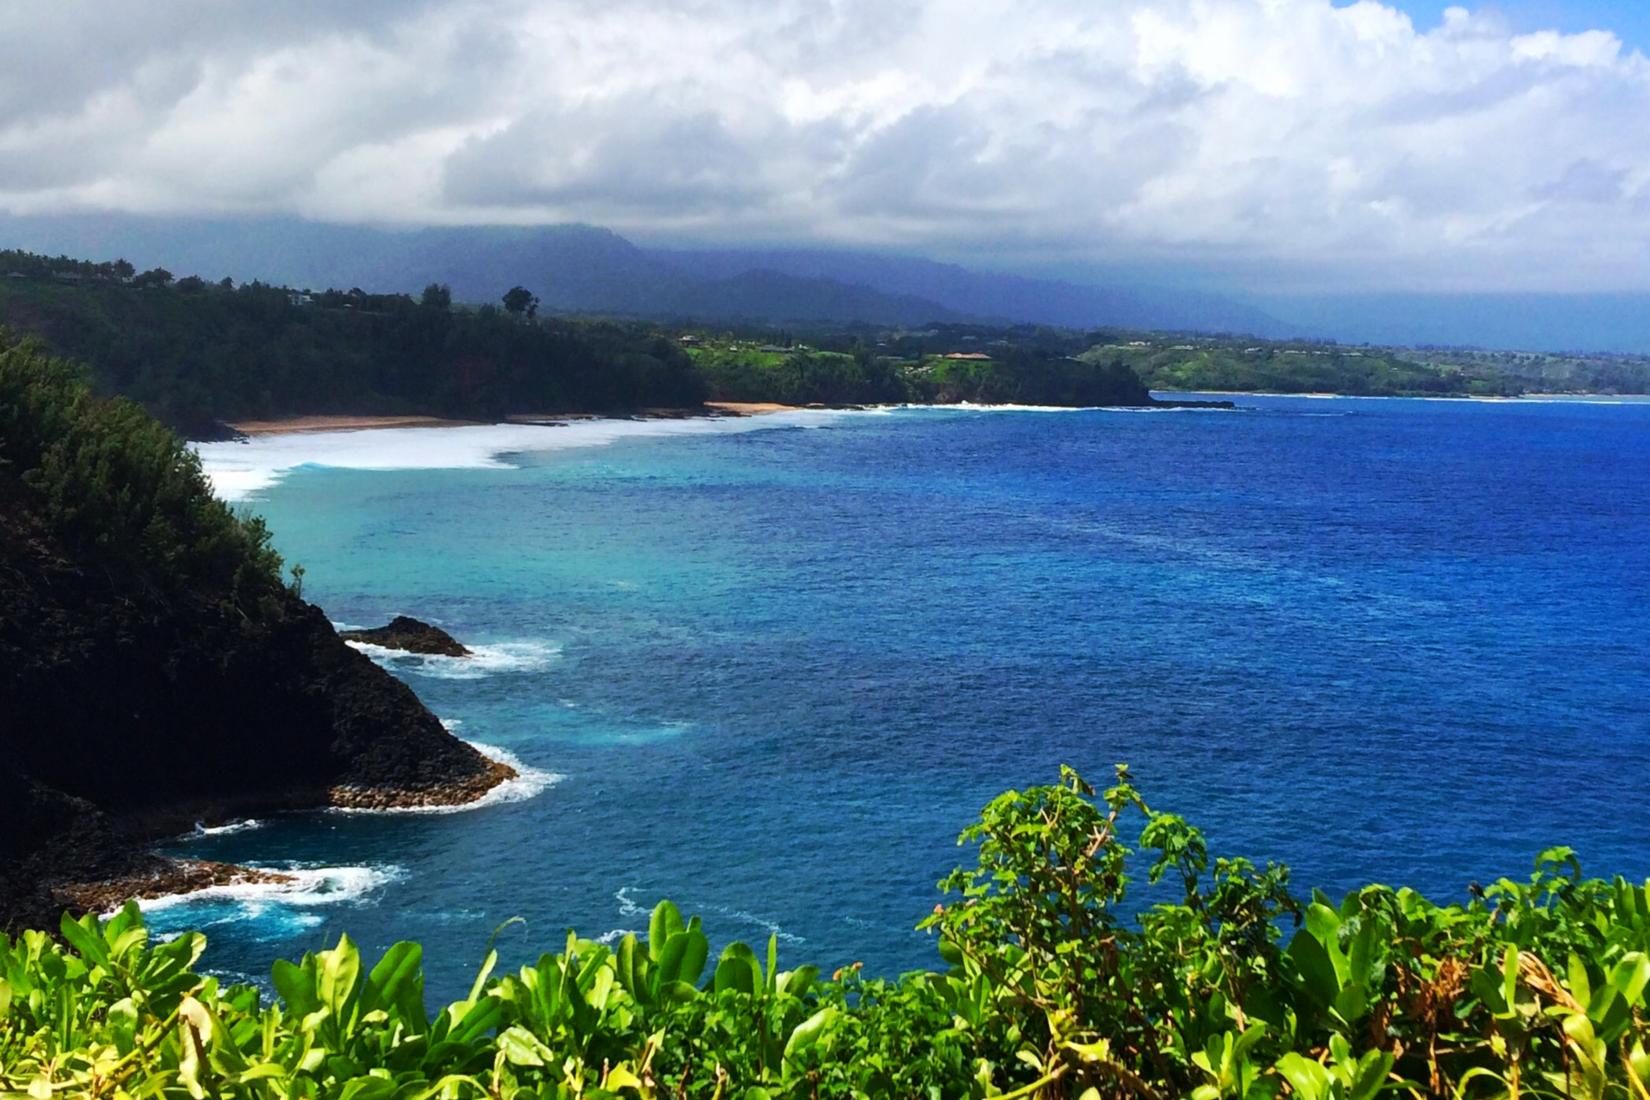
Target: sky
(1272,144)
(1628,19)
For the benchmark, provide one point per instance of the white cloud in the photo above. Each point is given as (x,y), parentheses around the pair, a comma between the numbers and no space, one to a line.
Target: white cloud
(1276,140)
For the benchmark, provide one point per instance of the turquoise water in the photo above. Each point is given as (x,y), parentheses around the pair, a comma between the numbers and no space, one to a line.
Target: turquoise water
(777,671)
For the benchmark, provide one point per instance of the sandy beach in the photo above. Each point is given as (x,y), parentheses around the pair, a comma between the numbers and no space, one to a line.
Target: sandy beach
(356,423)
(348,423)
(749,408)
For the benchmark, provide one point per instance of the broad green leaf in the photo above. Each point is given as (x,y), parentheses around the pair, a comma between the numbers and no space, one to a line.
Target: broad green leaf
(1309,1079)
(296,985)
(88,942)
(1630,976)
(665,922)
(399,966)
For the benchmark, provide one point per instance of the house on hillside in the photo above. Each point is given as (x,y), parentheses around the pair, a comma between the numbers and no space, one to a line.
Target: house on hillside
(971,356)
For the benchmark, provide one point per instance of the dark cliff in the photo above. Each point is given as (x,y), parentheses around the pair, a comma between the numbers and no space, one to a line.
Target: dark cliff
(154,670)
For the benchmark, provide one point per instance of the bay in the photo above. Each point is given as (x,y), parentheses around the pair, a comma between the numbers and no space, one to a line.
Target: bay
(771,673)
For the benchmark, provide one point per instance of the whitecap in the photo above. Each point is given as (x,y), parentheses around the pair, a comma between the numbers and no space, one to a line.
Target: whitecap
(224,830)
(626,906)
(305,885)
(528,783)
(629,908)
(239,469)
(614,935)
(484,660)
(969,406)
(769,926)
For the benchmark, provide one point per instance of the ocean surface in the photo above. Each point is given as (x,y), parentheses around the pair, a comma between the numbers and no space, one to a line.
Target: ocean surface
(769,668)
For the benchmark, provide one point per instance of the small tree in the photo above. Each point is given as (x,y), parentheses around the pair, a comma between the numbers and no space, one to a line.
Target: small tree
(437,296)
(519,299)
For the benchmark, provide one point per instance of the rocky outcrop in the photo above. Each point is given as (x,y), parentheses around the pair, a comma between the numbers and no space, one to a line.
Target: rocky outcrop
(128,715)
(411,635)
(158,877)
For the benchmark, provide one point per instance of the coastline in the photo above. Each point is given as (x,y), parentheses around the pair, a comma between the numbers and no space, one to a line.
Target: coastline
(142,874)
(240,468)
(291,425)
(1492,399)
(352,422)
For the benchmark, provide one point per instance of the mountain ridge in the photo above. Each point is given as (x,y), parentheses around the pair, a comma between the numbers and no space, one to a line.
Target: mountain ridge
(589,269)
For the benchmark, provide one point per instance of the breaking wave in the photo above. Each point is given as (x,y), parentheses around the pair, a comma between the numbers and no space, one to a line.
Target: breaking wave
(484,660)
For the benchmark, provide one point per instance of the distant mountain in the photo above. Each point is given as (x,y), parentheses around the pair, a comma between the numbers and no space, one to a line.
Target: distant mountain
(997,297)
(572,268)
(583,269)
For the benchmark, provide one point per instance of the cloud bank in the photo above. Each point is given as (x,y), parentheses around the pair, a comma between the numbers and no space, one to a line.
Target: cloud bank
(1288,142)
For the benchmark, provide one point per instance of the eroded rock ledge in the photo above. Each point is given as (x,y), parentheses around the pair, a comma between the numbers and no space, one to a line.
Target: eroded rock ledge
(159,877)
(460,792)
(411,635)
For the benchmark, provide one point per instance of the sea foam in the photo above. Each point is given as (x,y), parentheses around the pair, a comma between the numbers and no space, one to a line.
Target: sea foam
(224,830)
(484,660)
(528,783)
(241,468)
(309,886)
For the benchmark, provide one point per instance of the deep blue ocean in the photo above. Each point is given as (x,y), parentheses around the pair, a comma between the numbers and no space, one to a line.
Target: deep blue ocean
(776,672)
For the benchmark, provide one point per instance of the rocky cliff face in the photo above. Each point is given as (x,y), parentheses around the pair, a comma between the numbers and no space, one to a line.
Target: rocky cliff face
(127,715)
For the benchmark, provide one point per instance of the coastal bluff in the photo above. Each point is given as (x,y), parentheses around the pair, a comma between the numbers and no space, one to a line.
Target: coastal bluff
(156,672)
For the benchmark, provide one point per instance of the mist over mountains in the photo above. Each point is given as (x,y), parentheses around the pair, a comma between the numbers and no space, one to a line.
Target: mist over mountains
(586,269)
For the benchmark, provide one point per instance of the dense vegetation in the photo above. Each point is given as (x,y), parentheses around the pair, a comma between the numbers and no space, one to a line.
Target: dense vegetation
(742,370)
(1225,367)
(120,490)
(1057,986)
(1234,364)
(193,352)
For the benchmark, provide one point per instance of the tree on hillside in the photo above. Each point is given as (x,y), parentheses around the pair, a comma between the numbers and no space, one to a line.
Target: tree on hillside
(123,269)
(157,276)
(519,299)
(437,296)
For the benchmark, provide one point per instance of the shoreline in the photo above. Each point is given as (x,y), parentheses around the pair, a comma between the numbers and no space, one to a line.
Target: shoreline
(343,422)
(241,468)
(146,874)
(1486,398)
(352,422)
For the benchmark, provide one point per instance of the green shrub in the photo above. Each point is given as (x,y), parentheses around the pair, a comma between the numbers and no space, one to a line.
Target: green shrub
(119,489)
(1234,989)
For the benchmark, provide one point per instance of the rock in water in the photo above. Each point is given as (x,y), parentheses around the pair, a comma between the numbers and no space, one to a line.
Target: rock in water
(411,635)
